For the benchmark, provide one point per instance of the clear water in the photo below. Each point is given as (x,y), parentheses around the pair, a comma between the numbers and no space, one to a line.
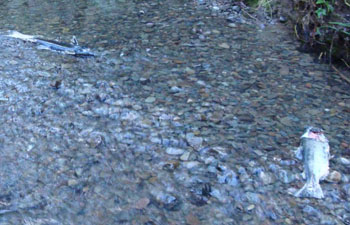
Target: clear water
(181,119)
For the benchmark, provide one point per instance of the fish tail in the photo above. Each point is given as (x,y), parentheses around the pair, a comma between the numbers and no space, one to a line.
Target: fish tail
(312,189)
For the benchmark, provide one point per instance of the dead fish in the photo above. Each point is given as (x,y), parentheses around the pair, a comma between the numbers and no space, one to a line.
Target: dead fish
(72,48)
(314,151)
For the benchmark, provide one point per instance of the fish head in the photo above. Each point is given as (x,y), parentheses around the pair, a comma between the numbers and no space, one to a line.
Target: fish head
(83,51)
(315,133)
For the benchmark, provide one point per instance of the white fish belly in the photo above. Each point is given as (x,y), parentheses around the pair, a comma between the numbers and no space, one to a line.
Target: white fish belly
(316,160)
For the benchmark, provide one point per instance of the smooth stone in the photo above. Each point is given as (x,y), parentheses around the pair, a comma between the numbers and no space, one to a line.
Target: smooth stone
(209,160)
(217,194)
(193,141)
(288,221)
(310,210)
(346,189)
(236,8)
(166,200)
(13,62)
(191,164)
(150,24)
(345,179)
(150,99)
(229,177)
(233,25)
(282,19)
(215,8)
(192,219)
(185,156)
(79,172)
(344,161)
(142,203)
(72,182)
(250,207)
(266,178)
(190,71)
(286,176)
(224,45)
(175,89)
(174,151)
(334,176)
(286,121)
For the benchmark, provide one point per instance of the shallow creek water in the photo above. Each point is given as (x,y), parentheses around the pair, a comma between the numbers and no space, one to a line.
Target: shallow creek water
(184,117)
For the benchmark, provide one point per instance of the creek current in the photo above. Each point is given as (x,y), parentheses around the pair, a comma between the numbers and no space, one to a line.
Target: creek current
(184,117)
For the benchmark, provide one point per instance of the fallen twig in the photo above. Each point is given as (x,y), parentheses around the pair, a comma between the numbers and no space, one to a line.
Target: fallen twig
(341,75)
(347,65)
(244,11)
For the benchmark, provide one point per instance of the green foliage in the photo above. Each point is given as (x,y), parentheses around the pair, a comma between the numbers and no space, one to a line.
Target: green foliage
(341,24)
(324,24)
(325,8)
(267,5)
(321,12)
(340,27)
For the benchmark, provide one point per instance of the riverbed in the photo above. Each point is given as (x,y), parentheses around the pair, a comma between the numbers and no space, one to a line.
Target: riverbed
(189,114)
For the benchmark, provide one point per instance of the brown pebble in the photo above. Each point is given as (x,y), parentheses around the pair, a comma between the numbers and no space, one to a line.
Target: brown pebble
(142,203)
(344,145)
(284,70)
(178,61)
(192,219)
(308,85)
(334,176)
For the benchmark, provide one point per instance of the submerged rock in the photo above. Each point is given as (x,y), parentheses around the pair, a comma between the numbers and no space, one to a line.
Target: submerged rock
(174,151)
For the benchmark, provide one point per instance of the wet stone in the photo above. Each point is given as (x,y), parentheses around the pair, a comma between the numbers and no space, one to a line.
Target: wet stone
(344,161)
(266,178)
(174,151)
(250,207)
(94,139)
(334,176)
(233,25)
(193,141)
(192,219)
(13,62)
(346,189)
(218,195)
(236,8)
(224,46)
(190,71)
(150,99)
(311,210)
(286,176)
(185,156)
(167,201)
(79,172)
(229,177)
(182,118)
(142,203)
(72,182)
(282,19)
(287,121)
(191,164)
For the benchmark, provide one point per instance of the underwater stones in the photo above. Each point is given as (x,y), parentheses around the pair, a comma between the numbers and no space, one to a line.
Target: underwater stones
(174,151)
(193,141)
(224,45)
(166,200)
